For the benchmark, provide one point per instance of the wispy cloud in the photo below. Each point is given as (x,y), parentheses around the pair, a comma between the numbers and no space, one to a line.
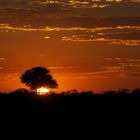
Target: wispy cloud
(47,37)
(123,68)
(64,67)
(9,77)
(118,42)
(119,35)
(60,8)
(2,59)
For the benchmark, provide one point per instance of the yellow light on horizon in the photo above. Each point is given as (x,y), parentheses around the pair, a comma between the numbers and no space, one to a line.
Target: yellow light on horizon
(42,91)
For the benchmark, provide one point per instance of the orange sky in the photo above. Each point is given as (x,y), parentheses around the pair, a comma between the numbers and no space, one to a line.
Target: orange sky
(82,51)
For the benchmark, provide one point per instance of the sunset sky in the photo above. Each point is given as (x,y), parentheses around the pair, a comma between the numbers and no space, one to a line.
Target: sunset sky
(87,44)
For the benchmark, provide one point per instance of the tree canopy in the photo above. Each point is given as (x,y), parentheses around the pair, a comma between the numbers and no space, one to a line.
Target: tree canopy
(37,77)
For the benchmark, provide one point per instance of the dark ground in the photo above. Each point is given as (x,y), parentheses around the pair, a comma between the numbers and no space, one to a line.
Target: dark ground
(70,113)
(71,102)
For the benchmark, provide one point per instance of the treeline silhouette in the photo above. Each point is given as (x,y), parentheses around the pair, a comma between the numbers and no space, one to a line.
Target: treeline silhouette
(24,101)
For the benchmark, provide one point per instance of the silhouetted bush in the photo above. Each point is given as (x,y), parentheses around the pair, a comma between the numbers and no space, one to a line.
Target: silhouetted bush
(24,101)
(110,93)
(136,92)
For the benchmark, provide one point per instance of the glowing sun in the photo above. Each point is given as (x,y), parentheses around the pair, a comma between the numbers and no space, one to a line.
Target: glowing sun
(42,91)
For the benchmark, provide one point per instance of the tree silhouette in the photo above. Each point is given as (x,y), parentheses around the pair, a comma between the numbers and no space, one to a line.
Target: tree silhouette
(38,77)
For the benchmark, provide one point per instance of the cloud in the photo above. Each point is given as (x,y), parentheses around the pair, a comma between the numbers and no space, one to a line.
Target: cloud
(114,59)
(128,67)
(122,68)
(64,67)
(38,12)
(118,42)
(41,20)
(126,42)
(8,77)
(116,36)
(47,37)
(133,60)
(2,59)
(110,32)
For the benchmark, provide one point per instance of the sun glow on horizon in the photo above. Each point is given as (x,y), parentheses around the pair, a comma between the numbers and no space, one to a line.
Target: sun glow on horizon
(42,91)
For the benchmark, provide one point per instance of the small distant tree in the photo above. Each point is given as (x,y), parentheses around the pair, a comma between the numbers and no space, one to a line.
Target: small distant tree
(38,77)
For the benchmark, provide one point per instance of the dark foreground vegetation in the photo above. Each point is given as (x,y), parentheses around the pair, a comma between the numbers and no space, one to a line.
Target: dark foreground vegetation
(23,101)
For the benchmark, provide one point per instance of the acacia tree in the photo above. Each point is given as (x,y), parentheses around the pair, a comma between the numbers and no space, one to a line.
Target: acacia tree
(38,77)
